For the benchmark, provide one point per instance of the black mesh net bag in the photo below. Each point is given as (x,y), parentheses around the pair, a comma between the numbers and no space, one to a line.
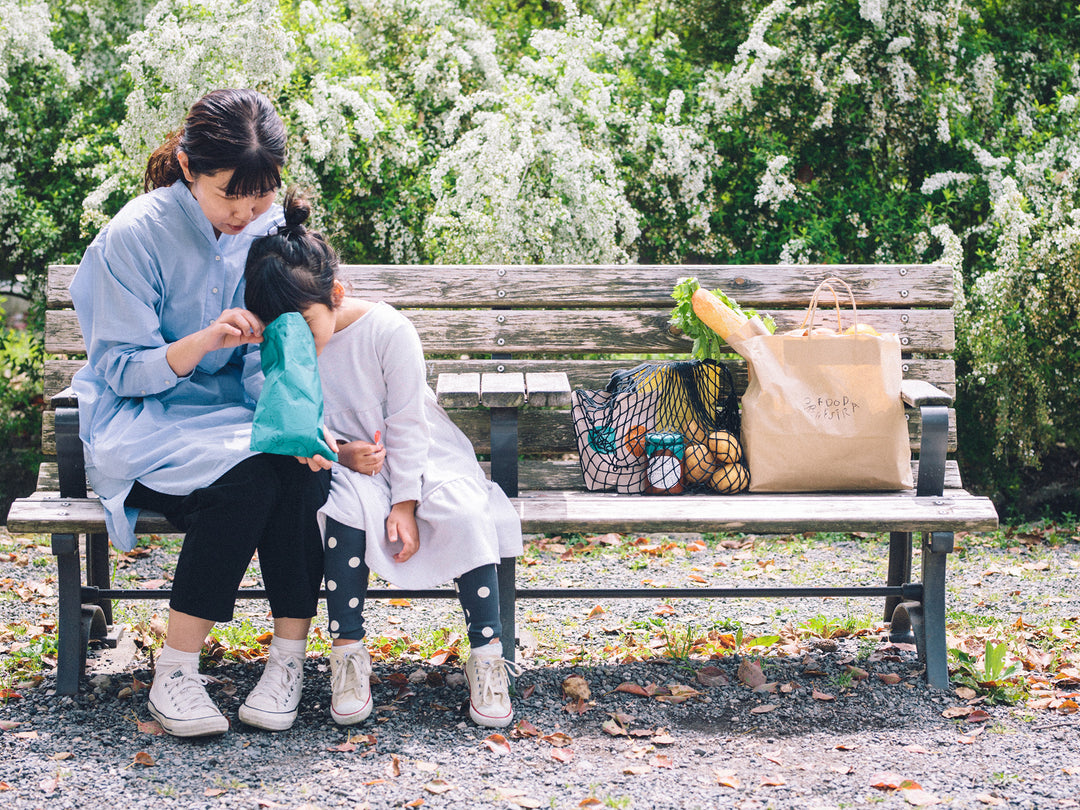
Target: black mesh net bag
(662,428)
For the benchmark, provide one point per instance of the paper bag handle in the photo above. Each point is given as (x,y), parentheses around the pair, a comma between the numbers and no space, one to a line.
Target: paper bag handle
(810,318)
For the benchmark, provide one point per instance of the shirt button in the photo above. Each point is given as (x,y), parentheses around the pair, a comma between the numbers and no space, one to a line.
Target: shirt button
(217,258)
(214,290)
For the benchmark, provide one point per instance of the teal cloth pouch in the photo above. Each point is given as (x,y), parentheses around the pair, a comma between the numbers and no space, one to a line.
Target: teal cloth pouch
(289,414)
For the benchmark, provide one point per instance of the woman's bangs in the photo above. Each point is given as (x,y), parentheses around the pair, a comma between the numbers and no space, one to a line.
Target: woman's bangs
(254,178)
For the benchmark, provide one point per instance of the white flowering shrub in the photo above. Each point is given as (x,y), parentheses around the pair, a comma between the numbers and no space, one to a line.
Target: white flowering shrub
(36,82)
(185,49)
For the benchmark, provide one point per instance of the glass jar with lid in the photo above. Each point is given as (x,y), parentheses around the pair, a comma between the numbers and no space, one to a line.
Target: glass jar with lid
(664,475)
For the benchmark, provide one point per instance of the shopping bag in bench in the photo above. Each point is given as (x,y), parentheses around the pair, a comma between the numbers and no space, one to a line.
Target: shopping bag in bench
(822,410)
(657,411)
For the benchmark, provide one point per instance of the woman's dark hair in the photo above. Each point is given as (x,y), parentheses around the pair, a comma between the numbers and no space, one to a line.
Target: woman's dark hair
(291,269)
(225,129)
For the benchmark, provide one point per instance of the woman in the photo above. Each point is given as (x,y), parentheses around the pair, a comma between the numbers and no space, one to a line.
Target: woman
(164,417)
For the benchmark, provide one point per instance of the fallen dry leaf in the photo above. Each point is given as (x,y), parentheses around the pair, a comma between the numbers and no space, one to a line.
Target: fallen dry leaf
(61,755)
(915,749)
(393,767)
(965,693)
(144,759)
(727,778)
(632,689)
(596,611)
(438,786)
(49,786)
(557,739)
(750,673)
(526,801)
(816,695)
(496,743)
(890,678)
(576,688)
(212,792)
(563,755)
(525,729)
(919,797)
(765,707)
(773,781)
(987,798)
(978,716)
(662,761)
(957,711)
(712,676)
(637,770)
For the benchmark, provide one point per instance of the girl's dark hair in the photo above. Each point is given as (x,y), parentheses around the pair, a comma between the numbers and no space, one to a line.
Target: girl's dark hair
(225,129)
(291,269)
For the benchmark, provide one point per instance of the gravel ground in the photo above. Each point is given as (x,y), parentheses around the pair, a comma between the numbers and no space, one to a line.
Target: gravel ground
(813,736)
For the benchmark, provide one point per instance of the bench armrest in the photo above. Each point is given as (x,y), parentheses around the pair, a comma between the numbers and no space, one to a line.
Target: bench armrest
(917,393)
(503,394)
(70,463)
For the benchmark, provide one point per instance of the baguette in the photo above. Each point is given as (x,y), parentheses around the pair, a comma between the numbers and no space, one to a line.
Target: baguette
(715,314)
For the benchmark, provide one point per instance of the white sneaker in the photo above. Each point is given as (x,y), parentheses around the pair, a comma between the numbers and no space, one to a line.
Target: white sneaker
(179,702)
(489,690)
(274,702)
(350,684)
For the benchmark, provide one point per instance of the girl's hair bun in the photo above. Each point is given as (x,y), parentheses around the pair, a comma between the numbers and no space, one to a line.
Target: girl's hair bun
(297,210)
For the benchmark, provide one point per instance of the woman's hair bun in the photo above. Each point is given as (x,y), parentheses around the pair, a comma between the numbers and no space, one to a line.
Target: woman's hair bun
(297,210)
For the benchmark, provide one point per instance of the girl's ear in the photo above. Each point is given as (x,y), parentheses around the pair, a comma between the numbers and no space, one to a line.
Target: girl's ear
(337,293)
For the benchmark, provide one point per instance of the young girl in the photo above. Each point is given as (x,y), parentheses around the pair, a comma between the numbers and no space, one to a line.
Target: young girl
(426,515)
(164,418)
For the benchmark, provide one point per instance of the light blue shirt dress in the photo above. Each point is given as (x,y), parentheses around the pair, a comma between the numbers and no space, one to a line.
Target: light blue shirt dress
(155,274)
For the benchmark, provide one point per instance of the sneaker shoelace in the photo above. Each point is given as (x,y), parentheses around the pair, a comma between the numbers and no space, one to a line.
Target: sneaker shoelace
(353,670)
(491,678)
(188,691)
(278,681)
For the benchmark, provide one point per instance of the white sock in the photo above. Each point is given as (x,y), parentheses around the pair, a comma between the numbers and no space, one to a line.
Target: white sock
(492,650)
(345,649)
(169,660)
(288,647)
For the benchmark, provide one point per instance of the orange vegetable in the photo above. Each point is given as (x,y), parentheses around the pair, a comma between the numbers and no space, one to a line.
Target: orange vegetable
(634,441)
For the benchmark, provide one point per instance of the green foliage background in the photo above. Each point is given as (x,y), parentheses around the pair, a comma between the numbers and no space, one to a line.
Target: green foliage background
(720,131)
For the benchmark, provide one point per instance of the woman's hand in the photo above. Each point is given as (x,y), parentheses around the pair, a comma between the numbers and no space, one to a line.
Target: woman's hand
(232,328)
(317,462)
(363,457)
(401,528)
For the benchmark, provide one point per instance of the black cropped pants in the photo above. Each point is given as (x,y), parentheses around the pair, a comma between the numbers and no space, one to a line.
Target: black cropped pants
(266,504)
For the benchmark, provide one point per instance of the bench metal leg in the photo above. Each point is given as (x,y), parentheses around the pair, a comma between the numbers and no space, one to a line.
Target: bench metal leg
(508,606)
(899,574)
(71,649)
(936,547)
(97,569)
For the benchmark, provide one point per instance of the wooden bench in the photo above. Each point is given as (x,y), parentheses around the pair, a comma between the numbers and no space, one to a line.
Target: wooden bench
(505,344)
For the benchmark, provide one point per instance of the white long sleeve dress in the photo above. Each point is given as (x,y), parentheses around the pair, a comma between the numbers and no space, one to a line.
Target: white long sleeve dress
(374,379)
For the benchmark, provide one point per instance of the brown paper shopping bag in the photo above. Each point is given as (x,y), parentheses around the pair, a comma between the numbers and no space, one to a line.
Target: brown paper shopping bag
(823,411)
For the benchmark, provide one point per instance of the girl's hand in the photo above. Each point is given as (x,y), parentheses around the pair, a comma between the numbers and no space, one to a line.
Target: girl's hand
(363,457)
(401,528)
(317,462)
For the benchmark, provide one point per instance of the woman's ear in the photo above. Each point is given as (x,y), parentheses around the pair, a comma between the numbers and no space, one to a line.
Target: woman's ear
(337,293)
(184,167)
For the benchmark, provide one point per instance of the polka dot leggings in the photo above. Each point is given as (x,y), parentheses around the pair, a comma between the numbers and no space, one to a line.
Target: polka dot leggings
(347,582)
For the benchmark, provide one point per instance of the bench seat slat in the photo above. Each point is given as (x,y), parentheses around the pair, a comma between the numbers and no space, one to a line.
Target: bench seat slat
(590,512)
(533,474)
